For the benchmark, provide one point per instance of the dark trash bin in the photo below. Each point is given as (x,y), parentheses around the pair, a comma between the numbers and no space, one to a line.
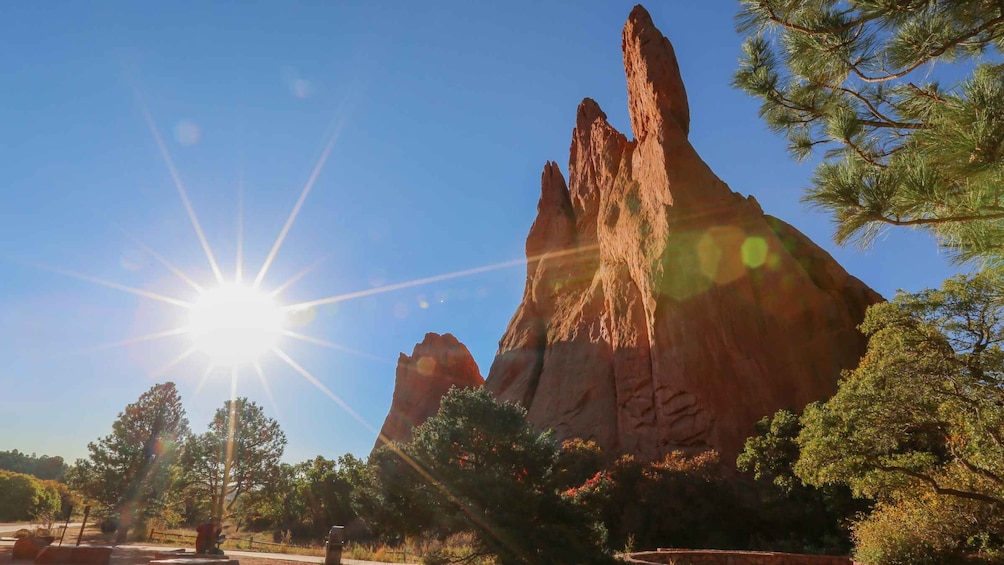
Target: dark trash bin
(333,549)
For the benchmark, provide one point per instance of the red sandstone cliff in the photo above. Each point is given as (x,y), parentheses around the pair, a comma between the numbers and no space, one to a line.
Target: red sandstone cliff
(435,365)
(662,310)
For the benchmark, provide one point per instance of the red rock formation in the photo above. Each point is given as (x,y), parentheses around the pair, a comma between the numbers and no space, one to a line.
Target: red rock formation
(435,365)
(662,310)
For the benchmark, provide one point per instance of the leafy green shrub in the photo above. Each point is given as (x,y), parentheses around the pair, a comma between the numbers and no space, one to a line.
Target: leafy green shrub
(23,497)
(917,425)
(680,501)
(926,529)
(109,524)
(577,461)
(792,516)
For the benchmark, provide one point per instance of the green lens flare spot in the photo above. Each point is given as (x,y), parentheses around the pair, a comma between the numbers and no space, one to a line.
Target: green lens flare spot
(754,251)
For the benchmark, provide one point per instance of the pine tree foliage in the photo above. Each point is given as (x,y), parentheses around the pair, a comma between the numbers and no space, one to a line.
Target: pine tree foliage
(220,470)
(905,101)
(128,472)
(477,466)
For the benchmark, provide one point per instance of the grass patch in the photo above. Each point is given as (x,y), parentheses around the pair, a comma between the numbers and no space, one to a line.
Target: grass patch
(456,548)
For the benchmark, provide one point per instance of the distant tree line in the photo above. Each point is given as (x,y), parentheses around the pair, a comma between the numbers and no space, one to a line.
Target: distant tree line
(40,466)
(152,468)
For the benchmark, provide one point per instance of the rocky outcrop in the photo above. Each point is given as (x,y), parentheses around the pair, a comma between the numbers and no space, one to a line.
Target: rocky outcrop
(435,365)
(662,310)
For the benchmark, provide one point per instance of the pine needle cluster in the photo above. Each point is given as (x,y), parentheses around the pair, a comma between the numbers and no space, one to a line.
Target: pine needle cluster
(904,101)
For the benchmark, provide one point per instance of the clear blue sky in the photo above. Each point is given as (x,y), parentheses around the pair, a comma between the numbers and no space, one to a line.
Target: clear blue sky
(445,112)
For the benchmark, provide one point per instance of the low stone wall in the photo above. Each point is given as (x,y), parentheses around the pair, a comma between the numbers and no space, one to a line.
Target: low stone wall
(28,548)
(717,557)
(74,555)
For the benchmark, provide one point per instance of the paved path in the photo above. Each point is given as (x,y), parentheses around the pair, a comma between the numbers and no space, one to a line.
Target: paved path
(263,555)
(11,527)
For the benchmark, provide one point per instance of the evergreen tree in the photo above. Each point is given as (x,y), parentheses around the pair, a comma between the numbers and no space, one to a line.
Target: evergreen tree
(239,453)
(907,99)
(326,487)
(478,466)
(128,472)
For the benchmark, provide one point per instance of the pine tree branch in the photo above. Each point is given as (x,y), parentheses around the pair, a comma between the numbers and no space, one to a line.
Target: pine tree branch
(816,32)
(925,93)
(855,67)
(886,121)
(934,221)
(815,114)
(990,24)
(891,124)
(860,153)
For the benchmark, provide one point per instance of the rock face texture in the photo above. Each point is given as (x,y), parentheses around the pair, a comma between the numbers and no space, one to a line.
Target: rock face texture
(435,365)
(662,310)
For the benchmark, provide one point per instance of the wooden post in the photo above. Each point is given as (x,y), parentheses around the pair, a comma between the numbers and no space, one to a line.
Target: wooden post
(87,511)
(251,544)
(66,525)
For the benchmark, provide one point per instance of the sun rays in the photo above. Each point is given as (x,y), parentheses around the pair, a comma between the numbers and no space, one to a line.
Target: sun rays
(180,186)
(234,325)
(235,322)
(321,161)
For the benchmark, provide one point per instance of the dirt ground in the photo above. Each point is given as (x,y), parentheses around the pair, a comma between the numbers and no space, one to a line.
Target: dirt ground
(132,556)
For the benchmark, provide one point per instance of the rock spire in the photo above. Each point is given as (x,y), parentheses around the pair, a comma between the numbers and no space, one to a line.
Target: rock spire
(662,310)
(436,364)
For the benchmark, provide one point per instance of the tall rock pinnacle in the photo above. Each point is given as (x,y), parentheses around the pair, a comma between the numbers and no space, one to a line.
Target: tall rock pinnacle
(662,310)
(657,98)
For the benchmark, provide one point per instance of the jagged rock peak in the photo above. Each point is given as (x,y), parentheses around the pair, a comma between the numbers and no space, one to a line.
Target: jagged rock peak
(663,311)
(436,364)
(587,113)
(656,93)
(554,228)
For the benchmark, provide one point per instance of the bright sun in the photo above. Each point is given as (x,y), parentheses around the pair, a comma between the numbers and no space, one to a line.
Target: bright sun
(235,324)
